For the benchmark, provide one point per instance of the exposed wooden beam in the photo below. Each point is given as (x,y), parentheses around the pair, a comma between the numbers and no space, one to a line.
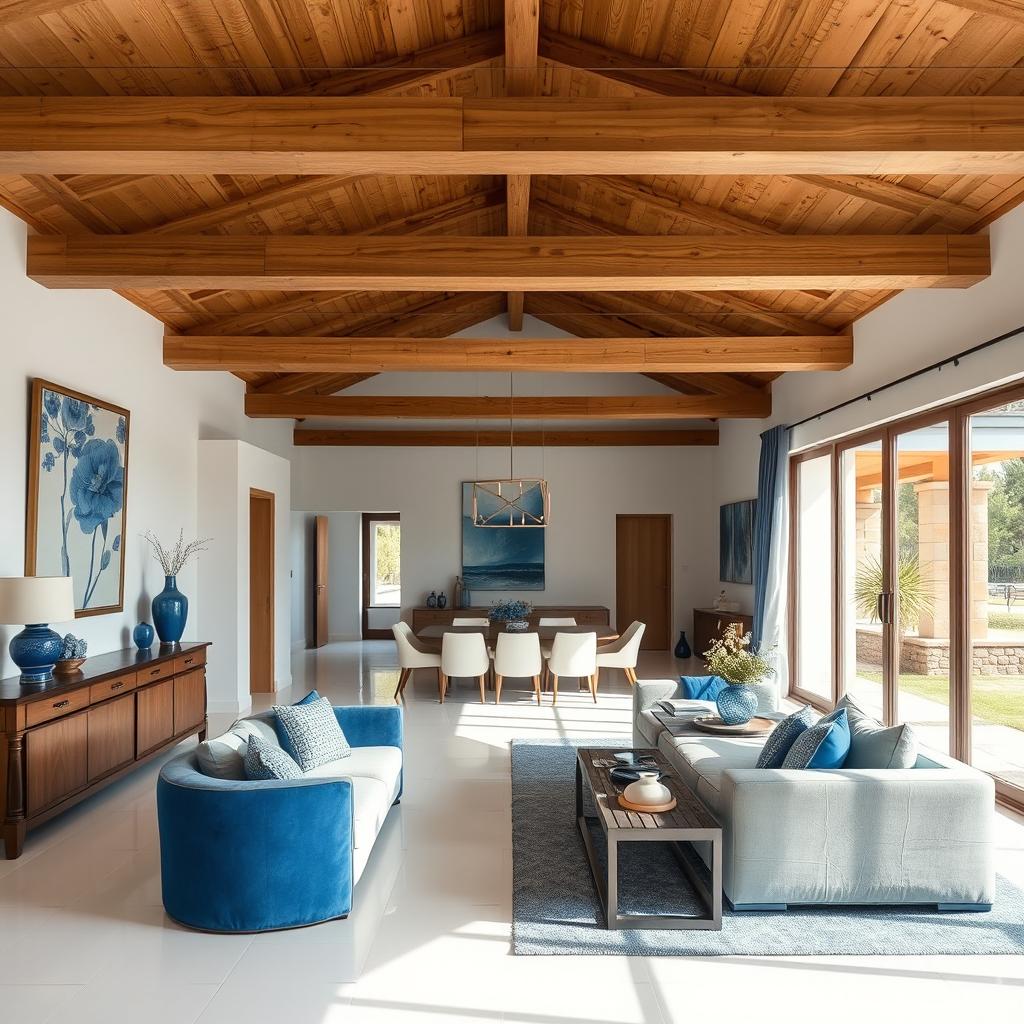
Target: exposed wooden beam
(499,438)
(517,191)
(456,407)
(409,135)
(536,355)
(555,263)
(522,25)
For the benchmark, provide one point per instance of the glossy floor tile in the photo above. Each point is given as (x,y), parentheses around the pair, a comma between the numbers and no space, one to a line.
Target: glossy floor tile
(83,936)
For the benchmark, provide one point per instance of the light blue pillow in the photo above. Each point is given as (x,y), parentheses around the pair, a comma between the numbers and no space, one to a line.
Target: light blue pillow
(264,761)
(282,733)
(873,745)
(824,745)
(702,687)
(314,732)
(783,736)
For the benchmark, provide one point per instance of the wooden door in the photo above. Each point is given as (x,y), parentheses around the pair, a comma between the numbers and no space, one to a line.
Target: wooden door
(261,591)
(320,591)
(55,761)
(189,700)
(111,736)
(154,715)
(643,576)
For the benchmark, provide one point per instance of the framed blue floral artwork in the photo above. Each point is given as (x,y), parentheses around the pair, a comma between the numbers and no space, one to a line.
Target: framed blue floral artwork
(78,494)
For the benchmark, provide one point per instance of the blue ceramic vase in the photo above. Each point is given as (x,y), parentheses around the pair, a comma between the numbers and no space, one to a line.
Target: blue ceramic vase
(170,612)
(683,647)
(737,704)
(35,650)
(143,636)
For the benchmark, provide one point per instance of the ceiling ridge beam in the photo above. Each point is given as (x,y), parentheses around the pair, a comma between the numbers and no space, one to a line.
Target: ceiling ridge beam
(577,438)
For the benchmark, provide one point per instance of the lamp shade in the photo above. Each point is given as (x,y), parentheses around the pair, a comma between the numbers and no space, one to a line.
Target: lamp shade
(31,599)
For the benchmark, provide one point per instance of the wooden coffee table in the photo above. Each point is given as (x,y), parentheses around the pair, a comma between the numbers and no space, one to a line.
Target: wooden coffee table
(689,822)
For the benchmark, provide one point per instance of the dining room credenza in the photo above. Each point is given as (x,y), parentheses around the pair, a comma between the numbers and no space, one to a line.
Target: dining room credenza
(66,739)
(584,614)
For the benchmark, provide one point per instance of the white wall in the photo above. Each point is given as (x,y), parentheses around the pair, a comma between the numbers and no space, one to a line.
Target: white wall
(912,330)
(302,544)
(588,487)
(344,551)
(227,472)
(98,343)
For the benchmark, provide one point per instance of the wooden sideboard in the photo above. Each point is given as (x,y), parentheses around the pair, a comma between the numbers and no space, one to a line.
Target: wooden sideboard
(584,614)
(63,741)
(709,624)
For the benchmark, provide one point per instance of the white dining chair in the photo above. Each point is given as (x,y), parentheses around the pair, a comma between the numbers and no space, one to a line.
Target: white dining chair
(573,654)
(464,655)
(411,656)
(517,655)
(463,621)
(555,621)
(622,653)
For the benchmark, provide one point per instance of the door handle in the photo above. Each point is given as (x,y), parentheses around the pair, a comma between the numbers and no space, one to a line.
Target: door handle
(884,607)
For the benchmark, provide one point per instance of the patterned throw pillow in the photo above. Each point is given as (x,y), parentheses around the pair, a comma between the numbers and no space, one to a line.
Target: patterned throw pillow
(824,745)
(265,761)
(782,737)
(313,733)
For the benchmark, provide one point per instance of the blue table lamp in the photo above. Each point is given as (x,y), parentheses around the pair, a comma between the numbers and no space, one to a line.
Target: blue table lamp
(33,602)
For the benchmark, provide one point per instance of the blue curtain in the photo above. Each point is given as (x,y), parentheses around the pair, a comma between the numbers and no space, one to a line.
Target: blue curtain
(770,531)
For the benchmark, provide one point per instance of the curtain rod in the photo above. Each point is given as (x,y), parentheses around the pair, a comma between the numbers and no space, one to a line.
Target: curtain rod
(949,360)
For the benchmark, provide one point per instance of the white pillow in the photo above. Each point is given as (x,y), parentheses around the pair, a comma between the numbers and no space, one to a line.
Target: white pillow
(223,756)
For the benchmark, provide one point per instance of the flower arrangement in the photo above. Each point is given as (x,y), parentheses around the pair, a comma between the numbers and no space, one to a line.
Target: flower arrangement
(510,611)
(173,560)
(731,658)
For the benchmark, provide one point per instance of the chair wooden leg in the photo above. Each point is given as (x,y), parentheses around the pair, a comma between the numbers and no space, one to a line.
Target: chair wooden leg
(442,685)
(483,688)
(497,688)
(554,688)
(593,687)
(630,676)
(536,688)
(403,678)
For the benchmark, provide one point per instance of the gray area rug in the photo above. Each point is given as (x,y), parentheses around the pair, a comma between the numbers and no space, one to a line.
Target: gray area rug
(555,909)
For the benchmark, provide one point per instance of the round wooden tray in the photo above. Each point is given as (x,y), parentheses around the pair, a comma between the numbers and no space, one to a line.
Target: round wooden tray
(755,727)
(646,808)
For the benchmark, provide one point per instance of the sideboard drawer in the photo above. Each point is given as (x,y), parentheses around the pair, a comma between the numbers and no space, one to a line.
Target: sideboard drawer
(187,662)
(44,710)
(111,688)
(152,673)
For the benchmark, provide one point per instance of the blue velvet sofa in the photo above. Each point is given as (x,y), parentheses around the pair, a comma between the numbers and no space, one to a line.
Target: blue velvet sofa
(243,856)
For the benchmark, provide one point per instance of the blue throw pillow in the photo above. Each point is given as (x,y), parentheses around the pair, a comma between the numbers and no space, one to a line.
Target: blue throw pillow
(825,745)
(282,734)
(783,736)
(263,761)
(701,687)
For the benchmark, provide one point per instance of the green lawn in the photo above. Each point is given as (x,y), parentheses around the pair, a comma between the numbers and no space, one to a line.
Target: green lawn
(998,699)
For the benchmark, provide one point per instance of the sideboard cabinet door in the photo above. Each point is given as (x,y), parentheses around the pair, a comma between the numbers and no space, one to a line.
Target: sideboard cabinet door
(111,735)
(154,715)
(189,700)
(55,761)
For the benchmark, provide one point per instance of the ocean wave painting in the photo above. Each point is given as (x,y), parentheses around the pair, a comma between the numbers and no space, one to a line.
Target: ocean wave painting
(500,557)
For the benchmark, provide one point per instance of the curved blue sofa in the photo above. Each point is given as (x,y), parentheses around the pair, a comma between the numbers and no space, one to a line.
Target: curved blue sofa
(256,856)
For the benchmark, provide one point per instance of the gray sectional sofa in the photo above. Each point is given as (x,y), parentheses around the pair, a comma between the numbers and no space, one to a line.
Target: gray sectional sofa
(922,835)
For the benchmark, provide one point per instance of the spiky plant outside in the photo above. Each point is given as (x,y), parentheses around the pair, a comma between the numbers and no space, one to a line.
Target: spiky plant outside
(173,560)
(914,589)
(730,657)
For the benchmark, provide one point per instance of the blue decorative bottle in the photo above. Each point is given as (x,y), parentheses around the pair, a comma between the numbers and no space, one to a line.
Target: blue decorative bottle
(143,636)
(170,611)
(683,647)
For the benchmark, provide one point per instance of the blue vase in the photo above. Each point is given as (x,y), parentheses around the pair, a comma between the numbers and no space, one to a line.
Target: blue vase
(35,650)
(170,611)
(737,705)
(683,647)
(143,636)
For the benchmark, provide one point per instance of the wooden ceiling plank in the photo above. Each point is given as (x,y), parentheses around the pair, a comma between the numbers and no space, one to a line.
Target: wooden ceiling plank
(756,405)
(542,263)
(508,135)
(349,355)
(309,436)
(517,205)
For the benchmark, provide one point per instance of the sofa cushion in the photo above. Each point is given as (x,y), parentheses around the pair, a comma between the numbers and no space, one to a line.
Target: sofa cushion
(874,746)
(264,761)
(222,757)
(783,736)
(314,733)
(824,745)
(701,758)
(701,687)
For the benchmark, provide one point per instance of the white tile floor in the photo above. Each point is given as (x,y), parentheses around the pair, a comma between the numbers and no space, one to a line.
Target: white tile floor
(83,937)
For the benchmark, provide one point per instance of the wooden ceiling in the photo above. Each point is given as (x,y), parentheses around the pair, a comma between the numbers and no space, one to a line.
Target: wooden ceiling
(580,50)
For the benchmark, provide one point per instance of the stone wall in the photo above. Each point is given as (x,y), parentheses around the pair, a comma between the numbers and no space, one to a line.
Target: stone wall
(924,656)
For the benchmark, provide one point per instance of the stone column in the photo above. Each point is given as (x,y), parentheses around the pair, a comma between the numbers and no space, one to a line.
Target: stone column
(933,554)
(979,558)
(868,531)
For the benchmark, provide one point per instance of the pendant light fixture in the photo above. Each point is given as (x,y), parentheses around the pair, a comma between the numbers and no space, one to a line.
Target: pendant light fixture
(514,501)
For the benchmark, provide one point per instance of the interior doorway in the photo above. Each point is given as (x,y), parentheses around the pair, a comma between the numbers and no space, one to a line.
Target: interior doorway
(381,573)
(321,589)
(643,576)
(261,591)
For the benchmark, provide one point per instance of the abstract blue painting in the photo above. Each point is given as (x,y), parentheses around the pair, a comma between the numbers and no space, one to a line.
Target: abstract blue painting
(736,542)
(78,490)
(500,557)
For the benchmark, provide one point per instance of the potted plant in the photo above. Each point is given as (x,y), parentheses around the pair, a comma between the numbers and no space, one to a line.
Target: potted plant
(515,614)
(731,658)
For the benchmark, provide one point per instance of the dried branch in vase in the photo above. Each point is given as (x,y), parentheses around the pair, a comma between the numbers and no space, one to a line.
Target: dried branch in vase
(173,560)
